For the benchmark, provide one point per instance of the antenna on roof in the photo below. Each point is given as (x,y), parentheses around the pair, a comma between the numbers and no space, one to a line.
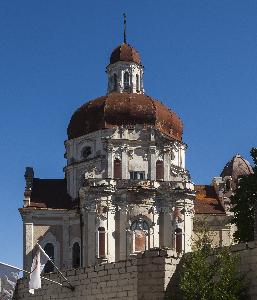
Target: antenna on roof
(125,29)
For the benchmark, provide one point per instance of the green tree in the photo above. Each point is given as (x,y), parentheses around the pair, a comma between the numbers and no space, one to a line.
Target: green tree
(210,274)
(244,201)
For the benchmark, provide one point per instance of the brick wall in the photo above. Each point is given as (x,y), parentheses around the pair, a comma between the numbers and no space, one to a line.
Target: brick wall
(143,277)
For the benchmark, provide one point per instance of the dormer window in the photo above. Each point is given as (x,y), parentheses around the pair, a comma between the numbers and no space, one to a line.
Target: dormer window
(86,152)
(126,81)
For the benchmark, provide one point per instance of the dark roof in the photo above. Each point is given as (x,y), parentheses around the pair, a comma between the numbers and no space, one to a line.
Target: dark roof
(207,200)
(236,167)
(116,109)
(50,193)
(125,52)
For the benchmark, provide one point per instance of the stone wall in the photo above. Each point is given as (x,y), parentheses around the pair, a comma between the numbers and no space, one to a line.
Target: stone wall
(151,275)
(144,277)
(248,264)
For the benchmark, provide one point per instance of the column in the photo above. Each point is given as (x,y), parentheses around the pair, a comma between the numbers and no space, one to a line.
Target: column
(165,229)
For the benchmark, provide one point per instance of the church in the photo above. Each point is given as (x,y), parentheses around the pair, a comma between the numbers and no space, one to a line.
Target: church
(126,188)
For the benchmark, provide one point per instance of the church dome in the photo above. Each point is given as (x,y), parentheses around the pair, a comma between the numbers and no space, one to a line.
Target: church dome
(117,109)
(236,167)
(125,52)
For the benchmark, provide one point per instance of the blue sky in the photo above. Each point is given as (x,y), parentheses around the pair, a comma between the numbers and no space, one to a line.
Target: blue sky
(199,57)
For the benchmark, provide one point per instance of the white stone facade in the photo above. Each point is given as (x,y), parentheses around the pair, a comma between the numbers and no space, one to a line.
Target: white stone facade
(128,189)
(125,77)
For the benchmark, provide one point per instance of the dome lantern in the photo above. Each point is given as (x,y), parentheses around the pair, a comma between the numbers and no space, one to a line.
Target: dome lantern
(125,71)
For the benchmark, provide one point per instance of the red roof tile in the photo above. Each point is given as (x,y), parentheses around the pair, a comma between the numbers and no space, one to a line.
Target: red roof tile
(125,52)
(116,109)
(207,201)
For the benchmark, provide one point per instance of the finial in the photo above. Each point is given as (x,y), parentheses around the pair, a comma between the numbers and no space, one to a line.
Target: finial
(125,29)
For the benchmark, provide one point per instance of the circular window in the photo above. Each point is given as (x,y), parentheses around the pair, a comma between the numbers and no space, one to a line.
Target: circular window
(86,152)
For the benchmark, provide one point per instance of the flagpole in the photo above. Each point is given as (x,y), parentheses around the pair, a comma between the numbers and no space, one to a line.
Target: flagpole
(70,285)
(27,272)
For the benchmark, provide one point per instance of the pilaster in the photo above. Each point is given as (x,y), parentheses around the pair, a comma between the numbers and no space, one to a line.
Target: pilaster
(152,162)
(166,163)
(110,161)
(124,162)
(67,261)
(110,233)
(28,242)
(121,232)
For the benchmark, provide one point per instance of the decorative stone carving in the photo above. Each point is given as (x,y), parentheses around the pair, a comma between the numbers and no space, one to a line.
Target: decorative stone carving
(130,153)
(90,204)
(29,176)
(178,171)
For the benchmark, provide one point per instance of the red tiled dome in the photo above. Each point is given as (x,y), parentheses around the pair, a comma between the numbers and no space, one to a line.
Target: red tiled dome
(125,52)
(116,109)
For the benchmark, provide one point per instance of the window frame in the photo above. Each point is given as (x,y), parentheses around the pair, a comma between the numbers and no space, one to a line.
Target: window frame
(136,175)
(126,80)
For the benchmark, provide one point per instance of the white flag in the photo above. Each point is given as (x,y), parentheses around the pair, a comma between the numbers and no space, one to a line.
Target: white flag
(8,278)
(43,258)
(37,267)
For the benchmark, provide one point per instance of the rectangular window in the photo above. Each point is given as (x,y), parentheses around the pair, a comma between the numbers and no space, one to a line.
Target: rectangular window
(138,175)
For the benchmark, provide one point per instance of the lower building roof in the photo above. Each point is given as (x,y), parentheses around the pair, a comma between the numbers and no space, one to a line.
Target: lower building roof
(207,200)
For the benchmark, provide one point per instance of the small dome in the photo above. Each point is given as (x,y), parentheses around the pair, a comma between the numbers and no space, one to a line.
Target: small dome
(117,109)
(125,52)
(236,167)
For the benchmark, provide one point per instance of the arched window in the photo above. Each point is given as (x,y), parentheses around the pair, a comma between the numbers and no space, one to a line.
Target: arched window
(137,83)
(49,250)
(126,80)
(101,242)
(76,255)
(115,82)
(117,168)
(178,234)
(159,170)
(140,229)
